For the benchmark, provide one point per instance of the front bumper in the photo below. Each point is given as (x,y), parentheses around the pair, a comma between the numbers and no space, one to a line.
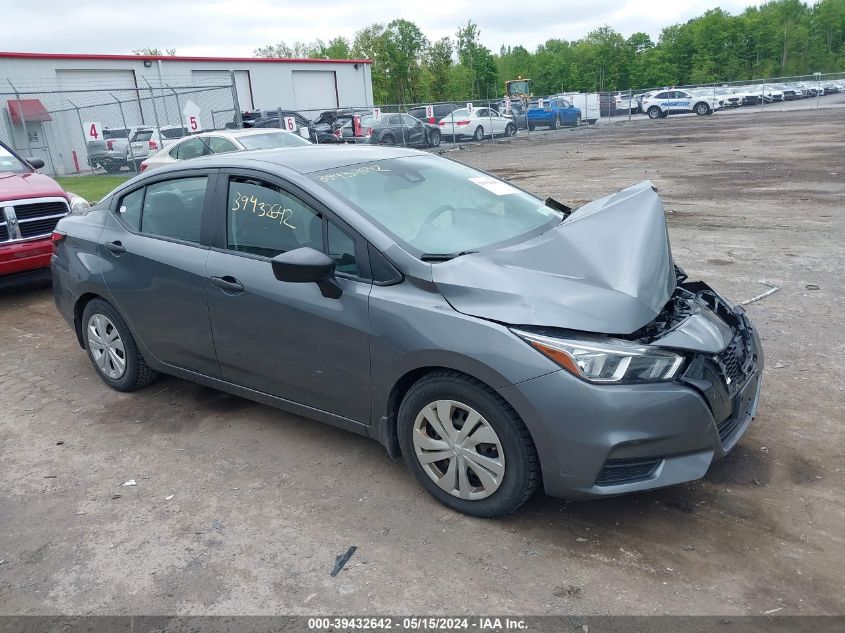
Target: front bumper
(599,440)
(25,255)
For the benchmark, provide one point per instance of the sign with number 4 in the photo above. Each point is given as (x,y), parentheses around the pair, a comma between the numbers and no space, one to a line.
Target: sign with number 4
(290,124)
(93,130)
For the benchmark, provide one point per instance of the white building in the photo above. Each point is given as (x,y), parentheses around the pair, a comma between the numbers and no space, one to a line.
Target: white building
(46,99)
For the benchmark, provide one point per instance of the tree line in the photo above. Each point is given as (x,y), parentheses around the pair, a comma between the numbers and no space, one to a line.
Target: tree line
(779,38)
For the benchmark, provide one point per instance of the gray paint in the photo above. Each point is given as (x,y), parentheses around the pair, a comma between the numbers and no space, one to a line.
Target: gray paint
(608,269)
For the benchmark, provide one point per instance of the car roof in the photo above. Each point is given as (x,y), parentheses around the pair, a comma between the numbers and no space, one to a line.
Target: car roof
(244,132)
(304,160)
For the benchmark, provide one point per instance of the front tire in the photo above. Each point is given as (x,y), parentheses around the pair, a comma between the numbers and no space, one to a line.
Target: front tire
(577,121)
(112,349)
(434,138)
(487,469)
(386,139)
(479,133)
(555,124)
(654,112)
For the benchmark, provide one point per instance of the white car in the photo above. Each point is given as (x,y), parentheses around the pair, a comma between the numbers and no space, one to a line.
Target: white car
(222,142)
(477,124)
(669,102)
(146,141)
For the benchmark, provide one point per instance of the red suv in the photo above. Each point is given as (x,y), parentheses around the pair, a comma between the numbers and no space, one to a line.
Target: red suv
(30,206)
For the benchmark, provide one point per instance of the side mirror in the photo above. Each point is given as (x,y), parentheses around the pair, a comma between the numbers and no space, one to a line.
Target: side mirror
(35,163)
(307,265)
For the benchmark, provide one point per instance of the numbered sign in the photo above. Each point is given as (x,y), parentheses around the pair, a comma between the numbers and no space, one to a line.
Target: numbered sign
(470,108)
(377,114)
(93,131)
(290,124)
(429,112)
(192,116)
(540,103)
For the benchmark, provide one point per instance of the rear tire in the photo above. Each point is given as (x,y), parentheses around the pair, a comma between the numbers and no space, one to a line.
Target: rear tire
(387,139)
(510,129)
(493,470)
(577,121)
(530,127)
(555,124)
(112,349)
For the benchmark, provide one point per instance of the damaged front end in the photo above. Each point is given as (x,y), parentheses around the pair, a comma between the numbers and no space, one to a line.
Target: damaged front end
(723,351)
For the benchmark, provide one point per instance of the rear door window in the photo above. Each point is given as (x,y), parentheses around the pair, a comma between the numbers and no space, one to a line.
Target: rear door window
(173,209)
(220,145)
(193,148)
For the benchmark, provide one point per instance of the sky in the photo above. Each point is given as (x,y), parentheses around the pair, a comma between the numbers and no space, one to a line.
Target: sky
(227,28)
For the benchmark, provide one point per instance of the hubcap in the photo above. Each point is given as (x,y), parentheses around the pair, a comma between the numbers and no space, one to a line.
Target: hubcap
(458,449)
(106,346)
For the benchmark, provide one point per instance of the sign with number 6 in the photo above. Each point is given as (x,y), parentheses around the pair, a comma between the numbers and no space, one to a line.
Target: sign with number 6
(290,124)
(93,130)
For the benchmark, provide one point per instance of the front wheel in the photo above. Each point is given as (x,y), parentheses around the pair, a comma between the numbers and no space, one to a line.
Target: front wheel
(466,446)
(479,133)
(530,127)
(702,108)
(112,349)
(555,125)
(386,139)
(654,112)
(577,120)
(434,138)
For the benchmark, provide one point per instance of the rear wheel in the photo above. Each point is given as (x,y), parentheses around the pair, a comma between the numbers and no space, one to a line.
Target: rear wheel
(654,112)
(112,349)
(466,446)
(510,129)
(112,168)
(577,120)
(530,127)
(479,133)
(555,125)
(387,139)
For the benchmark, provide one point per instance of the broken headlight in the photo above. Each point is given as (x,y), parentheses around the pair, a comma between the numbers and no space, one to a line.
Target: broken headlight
(608,361)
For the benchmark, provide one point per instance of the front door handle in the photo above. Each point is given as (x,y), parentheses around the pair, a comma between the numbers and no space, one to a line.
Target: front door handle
(116,247)
(228,284)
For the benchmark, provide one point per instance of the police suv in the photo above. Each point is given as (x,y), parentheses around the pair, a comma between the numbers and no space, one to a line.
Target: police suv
(666,102)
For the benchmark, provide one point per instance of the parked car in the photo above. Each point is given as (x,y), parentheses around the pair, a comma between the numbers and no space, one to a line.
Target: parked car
(317,132)
(554,112)
(477,124)
(390,129)
(30,206)
(517,111)
(441,110)
(415,300)
(112,152)
(668,102)
(222,142)
(149,140)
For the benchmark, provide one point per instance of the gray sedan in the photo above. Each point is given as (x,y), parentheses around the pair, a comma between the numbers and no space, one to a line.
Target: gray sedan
(496,341)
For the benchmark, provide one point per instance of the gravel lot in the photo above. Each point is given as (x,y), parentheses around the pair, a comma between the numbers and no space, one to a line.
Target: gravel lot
(263,501)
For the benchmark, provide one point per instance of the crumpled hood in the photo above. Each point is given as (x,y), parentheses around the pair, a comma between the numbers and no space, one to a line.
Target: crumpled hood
(14,186)
(606,269)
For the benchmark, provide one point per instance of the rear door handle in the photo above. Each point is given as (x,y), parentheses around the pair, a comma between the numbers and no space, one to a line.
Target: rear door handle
(228,284)
(115,247)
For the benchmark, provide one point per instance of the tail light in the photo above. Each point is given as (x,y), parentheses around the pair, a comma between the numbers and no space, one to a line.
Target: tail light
(110,144)
(56,238)
(356,125)
(431,119)
(144,166)
(153,144)
(461,122)
(443,124)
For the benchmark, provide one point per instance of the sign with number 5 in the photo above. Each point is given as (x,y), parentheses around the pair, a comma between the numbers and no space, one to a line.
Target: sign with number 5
(290,124)
(93,130)
(192,116)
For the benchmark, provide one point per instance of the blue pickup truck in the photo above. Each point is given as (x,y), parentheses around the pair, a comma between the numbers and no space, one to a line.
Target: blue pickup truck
(555,112)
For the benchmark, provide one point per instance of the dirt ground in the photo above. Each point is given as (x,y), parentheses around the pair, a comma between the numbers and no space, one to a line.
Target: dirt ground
(241,509)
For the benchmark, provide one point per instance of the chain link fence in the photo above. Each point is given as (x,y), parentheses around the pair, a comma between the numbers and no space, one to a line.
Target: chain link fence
(95,129)
(87,129)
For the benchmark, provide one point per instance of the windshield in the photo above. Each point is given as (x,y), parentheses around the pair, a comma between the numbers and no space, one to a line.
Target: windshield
(272,140)
(9,163)
(437,206)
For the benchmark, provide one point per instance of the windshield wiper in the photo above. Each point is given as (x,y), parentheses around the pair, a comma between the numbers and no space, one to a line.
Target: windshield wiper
(559,206)
(443,257)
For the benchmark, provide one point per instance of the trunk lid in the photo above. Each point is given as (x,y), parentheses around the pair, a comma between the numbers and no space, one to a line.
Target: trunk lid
(606,269)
